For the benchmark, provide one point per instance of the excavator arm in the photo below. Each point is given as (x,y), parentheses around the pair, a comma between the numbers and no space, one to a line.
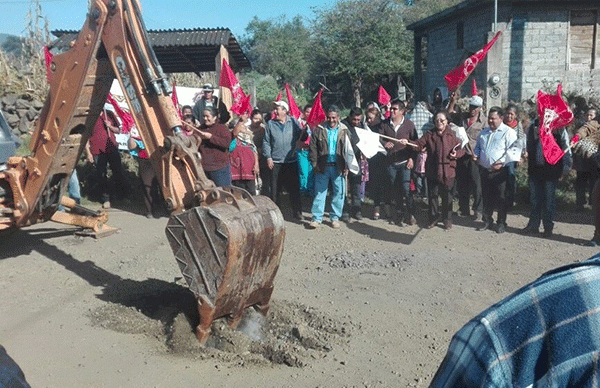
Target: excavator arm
(227,243)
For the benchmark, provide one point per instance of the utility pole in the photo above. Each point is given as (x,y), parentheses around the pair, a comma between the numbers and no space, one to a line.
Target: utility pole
(495,15)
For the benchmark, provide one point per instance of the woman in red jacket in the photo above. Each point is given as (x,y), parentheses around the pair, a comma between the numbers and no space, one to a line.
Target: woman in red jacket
(215,148)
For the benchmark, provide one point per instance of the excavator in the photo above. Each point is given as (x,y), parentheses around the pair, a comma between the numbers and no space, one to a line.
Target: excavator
(227,243)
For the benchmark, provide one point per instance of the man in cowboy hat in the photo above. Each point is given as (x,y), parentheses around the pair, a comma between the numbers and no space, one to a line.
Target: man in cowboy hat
(207,100)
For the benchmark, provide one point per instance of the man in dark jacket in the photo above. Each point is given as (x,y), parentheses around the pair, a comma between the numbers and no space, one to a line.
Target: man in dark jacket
(209,100)
(543,178)
(400,160)
(353,200)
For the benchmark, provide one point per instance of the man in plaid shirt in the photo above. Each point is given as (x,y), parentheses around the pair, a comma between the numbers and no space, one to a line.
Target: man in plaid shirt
(547,334)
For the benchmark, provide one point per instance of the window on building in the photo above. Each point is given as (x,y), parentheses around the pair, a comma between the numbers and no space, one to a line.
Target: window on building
(460,35)
(583,39)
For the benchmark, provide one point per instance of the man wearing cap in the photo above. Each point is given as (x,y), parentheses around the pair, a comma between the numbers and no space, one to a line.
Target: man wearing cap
(208,100)
(467,170)
(282,135)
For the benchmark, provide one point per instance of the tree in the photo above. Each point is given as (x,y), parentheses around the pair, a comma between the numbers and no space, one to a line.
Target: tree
(279,48)
(420,9)
(360,40)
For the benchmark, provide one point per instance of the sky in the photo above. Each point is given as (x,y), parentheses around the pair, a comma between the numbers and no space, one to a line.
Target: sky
(169,14)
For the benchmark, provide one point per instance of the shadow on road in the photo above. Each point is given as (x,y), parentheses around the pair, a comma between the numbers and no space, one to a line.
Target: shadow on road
(155,298)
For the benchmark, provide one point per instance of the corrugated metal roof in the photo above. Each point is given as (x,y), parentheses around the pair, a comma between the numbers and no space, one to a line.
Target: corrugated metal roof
(182,50)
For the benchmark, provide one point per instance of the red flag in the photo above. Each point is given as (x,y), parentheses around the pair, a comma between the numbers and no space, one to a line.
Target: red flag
(273,114)
(474,88)
(459,75)
(245,105)
(229,80)
(176,100)
(126,117)
(383,97)
(317,114)
(554,113)
(48,59)
(294,110)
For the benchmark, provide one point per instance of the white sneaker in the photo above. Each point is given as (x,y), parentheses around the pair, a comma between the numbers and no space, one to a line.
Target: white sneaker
(335,224)
(314,225)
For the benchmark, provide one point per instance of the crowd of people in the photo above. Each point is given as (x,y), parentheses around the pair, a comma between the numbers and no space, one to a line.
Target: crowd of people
(427,150)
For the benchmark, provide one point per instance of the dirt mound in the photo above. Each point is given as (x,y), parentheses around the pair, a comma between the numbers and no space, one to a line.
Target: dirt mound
(292,334)
(366,259)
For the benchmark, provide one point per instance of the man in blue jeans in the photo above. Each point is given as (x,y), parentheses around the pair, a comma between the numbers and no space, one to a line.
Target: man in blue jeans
(326,154)
(543,178)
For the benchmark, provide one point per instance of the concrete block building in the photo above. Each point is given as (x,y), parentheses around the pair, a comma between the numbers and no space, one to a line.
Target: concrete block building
(543,43)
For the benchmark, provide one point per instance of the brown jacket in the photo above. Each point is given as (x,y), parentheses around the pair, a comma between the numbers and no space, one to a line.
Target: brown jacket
(439,166)
(215,151)
(319,149)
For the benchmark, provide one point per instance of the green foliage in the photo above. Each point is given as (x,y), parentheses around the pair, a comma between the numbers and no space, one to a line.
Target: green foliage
(360,38)
(279,48)
(424,8)
(352,44)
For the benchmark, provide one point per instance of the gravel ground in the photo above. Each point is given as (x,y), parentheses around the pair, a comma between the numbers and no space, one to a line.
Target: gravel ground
(368,305)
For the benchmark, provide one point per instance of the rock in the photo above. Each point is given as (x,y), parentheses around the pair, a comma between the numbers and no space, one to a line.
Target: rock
(31,114)
(22,104)
(37,104)
(22,112)
(24,125)
(12,119)
(9,100)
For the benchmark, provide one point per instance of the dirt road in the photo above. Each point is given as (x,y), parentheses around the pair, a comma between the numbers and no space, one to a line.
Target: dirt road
(368,305)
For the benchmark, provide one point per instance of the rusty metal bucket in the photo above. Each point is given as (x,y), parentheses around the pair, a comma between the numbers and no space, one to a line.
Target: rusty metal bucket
(229,253)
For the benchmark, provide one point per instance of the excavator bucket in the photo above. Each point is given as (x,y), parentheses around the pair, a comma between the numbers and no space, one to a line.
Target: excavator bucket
(229,253)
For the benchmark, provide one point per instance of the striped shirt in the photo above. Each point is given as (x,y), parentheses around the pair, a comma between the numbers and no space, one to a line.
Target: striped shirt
(547,334)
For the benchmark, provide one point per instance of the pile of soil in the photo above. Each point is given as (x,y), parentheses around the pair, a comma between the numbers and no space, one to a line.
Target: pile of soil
(292,334)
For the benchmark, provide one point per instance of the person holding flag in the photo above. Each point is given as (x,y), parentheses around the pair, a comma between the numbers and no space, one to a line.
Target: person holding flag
(549,157)
(305,170)
(468,179)
(400,161)
(443,149)
(354,200)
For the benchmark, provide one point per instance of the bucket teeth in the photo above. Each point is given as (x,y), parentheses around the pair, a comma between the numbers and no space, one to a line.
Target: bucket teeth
(228,255)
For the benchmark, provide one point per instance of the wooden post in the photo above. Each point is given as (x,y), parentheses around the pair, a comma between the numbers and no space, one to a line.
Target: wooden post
(224,93)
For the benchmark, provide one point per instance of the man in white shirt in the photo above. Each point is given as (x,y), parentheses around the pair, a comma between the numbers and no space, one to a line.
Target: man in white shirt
(496,146)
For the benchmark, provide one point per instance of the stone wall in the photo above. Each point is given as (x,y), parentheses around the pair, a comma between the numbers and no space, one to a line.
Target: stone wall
(444,56)
(21,111)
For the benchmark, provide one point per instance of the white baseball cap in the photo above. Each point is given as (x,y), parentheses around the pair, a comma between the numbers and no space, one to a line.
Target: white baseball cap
(476,101)
(283,104)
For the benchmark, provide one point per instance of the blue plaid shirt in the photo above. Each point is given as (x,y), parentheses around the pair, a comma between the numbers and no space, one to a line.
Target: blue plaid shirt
(547,334)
